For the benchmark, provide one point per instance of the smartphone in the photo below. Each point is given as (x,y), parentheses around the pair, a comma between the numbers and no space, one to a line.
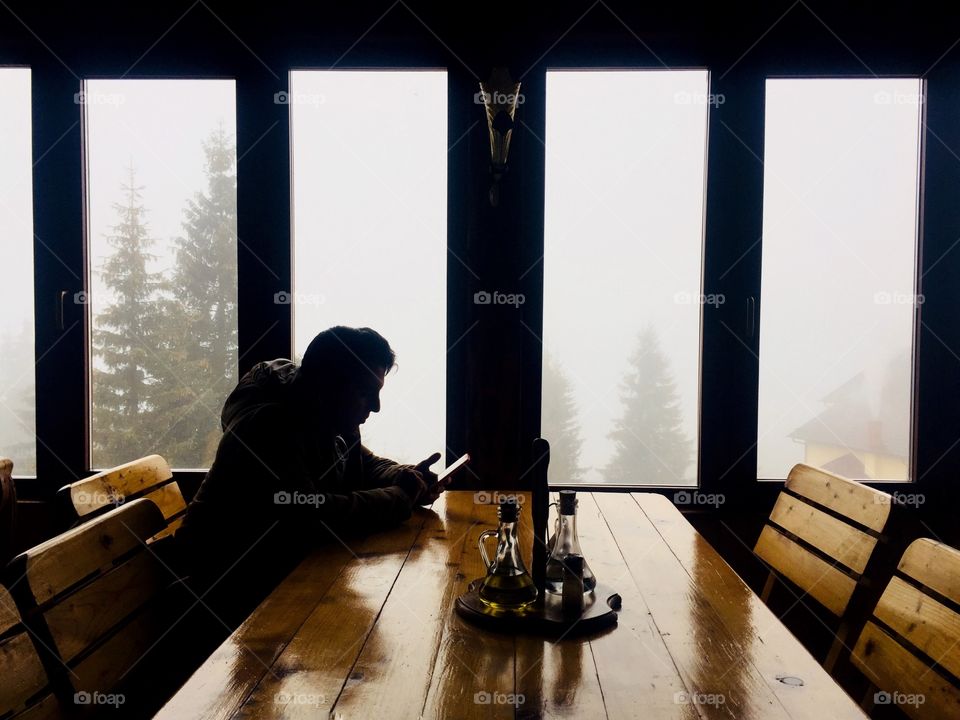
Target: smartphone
(451,469)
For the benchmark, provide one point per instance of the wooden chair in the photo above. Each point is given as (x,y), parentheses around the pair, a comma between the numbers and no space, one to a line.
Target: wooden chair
(820,536)
(148,477)
(8,510)
(98,597)
(910,647)
(24,691)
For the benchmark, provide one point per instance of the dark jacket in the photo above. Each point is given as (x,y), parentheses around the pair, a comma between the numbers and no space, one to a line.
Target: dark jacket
(283,480)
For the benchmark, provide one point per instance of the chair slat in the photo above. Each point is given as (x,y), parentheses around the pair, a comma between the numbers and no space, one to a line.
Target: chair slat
(53,566)
(169,499)
(933,565)
(113,486)
(894,669)
(86,615)
(814,575)
(22,675)
(845,543)
(859,502)
(926,623)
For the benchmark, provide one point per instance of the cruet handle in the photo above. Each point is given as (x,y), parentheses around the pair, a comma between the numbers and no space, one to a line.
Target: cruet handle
(483,548)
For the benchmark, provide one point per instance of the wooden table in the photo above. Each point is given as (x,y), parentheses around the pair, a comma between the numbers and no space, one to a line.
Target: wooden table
(370,632)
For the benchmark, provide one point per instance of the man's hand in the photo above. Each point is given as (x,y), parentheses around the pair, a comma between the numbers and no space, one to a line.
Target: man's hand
(433,486)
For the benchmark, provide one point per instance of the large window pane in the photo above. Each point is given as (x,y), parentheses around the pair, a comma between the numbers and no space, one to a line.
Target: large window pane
(17,377)
(370,194)
(162,221)
(839,267)
(625,171)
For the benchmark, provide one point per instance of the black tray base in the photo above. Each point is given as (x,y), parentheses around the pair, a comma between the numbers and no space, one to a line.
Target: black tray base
(545,616)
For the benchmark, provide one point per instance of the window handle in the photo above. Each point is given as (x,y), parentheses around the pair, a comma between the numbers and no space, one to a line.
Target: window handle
(61,310)
(751,316)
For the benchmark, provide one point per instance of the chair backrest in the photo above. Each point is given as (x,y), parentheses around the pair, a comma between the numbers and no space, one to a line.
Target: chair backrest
(8,510)
(821,533)
(910,647)
(148,477)
(94,593)
(24,690)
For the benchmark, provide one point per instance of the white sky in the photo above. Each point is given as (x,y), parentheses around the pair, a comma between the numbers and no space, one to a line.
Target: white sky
(370,229)
(839,226)
(623,236)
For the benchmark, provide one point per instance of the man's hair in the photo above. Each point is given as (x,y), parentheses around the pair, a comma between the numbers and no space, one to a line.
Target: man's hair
(346,352)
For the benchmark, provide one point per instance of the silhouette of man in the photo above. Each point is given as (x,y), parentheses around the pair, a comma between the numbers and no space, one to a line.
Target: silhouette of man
(290,470)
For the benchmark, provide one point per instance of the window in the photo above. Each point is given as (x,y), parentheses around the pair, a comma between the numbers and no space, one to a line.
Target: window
(162,240)
(840,198)
(17,373)
(369,152)
(622,274)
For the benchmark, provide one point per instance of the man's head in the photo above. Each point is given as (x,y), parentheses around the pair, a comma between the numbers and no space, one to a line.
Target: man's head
(346,367)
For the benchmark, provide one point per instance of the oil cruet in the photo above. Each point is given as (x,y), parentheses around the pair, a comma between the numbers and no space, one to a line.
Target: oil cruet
(565,543)
(507,585)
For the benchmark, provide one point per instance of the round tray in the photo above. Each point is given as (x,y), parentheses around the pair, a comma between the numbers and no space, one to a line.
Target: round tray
(545,616)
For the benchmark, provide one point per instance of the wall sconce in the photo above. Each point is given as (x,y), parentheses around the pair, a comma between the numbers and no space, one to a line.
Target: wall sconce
(500,98)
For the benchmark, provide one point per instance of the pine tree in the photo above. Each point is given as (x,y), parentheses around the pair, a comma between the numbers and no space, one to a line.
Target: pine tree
(651,446)
(18,401)
(559,425)
(200,312)
(126,363)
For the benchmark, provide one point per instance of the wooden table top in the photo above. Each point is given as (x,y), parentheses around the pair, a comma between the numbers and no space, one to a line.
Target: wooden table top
(370,632)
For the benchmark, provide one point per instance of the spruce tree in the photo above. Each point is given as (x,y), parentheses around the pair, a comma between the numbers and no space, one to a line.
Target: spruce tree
(200,315)
(559,424)
(126,364)
(18,400)
(651,447)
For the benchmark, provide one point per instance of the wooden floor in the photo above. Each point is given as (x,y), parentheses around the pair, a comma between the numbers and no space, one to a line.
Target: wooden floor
(369,631)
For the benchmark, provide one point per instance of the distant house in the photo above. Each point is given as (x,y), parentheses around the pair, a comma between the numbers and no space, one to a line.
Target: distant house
(863,431)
